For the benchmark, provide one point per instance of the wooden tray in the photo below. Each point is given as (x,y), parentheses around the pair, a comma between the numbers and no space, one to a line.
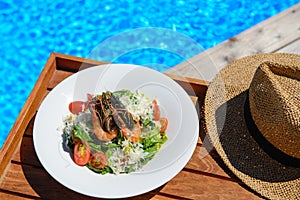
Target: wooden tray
(23,177)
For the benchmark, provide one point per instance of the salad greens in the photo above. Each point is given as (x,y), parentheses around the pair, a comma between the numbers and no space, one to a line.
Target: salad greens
(119,155)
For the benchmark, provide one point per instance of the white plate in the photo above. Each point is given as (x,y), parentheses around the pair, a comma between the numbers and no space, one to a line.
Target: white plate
(174,102)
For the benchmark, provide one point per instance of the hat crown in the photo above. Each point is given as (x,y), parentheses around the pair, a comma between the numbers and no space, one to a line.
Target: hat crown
(274,99)
(230,126)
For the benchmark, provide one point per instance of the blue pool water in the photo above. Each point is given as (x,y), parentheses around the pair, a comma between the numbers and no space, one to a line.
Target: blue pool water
(30,30)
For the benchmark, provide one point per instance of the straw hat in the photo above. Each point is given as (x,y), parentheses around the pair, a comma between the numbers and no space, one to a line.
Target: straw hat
(252,118)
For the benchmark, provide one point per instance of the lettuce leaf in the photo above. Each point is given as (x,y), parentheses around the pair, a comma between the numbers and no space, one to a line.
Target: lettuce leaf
(81,134)
(104,170)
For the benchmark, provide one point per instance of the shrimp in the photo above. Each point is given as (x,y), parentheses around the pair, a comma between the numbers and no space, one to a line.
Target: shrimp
(128,124)
(98,130)
(109,116)
(132,134)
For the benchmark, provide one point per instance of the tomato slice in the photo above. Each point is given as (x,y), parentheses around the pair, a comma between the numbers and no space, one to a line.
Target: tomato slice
(76,107)
(98,160)
(156,111)
(164,124)
(82,153)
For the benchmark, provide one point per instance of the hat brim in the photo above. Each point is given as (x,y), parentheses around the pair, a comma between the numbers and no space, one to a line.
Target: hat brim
(228,129)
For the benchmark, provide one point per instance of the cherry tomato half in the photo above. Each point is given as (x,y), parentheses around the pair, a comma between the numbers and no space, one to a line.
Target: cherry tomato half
(164,124)
(76,107)
(156,111)
(82,153)
(98,160)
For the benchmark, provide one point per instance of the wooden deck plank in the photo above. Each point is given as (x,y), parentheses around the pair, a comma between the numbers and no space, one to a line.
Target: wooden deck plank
(26,154)
(36,182)
(161,197)
(198,186)
(203,162)
(293,47)
(15,181)
(267,36)
(8,195)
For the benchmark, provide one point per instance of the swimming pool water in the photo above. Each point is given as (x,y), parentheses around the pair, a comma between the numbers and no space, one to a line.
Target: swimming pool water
(30,30)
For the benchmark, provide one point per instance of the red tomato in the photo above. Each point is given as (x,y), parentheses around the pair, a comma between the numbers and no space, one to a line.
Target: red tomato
(76,107)
(82,153)
(156,111)
(164,124)
(98,160)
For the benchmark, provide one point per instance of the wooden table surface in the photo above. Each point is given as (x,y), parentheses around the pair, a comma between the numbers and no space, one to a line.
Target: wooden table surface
(204,176)
(23,176)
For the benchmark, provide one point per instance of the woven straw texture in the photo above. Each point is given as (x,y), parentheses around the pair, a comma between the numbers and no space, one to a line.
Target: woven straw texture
(229,132)
(274,97)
